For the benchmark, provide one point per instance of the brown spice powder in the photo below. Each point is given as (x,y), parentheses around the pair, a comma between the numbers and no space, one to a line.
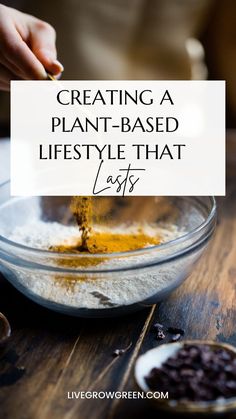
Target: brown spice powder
(81,207)
(92,242)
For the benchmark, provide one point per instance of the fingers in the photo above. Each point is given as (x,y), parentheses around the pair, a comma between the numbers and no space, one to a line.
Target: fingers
(27,48)
(19,55)
(5,77)
(43,44)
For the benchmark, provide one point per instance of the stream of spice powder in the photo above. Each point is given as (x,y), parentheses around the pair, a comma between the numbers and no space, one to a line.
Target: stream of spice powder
(81,207)
(92,242)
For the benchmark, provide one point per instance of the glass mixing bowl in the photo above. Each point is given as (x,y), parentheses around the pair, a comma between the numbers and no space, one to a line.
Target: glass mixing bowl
(115,283)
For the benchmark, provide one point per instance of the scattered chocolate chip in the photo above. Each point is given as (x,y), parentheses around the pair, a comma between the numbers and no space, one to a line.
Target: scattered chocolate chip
(119,352)
(161,332)
(175,331)
(196,373)
(176,337)
(160,335)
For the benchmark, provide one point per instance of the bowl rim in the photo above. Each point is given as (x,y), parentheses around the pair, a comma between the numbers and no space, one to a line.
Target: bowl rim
(164,245)
(211,216)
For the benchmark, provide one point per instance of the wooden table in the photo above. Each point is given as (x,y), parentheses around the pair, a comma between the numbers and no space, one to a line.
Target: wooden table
(50,355)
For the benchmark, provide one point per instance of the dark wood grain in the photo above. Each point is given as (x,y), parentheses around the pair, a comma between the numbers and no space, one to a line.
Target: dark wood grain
(49,354)
(205,305)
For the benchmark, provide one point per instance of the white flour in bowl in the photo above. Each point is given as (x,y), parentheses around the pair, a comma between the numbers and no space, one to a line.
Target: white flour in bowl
(101,290)
(41,235)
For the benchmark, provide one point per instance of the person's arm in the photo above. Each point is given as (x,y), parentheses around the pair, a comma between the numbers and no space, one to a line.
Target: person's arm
(27,48)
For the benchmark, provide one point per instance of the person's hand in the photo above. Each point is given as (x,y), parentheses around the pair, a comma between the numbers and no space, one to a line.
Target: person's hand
(27,48)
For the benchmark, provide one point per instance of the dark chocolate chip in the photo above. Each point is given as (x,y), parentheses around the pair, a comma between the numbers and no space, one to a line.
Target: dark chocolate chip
(175,331)
(160,335)
(176,337)
(196,373)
